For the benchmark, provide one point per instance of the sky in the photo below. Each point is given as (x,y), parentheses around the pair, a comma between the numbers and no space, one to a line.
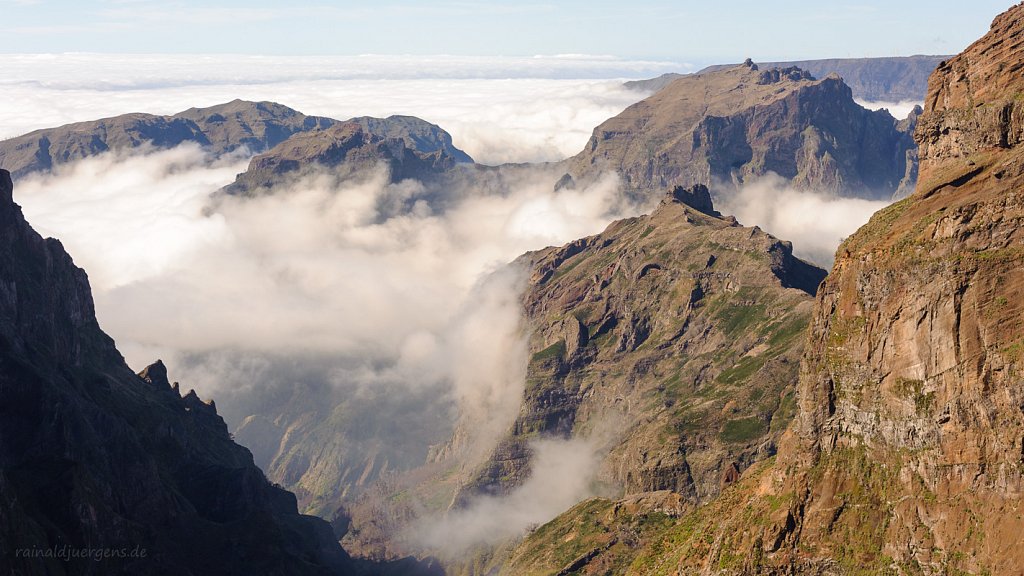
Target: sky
(700,32)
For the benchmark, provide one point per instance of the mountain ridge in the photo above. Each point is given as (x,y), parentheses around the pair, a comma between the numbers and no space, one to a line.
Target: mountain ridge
(221,129)
(409,147)
(880,79)
(94,456)
(727,127)
(678,314)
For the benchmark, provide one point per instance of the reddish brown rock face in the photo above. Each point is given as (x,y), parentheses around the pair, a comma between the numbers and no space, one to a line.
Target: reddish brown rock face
(917,350)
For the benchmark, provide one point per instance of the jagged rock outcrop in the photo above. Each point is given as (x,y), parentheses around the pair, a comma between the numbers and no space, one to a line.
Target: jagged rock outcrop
(681,330)
(258,126)
(419,135)
(728,126)
(408,147)
(895,79)
(95,457)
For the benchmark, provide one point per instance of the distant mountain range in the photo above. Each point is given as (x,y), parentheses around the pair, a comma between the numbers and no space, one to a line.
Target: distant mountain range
(724,127)
(719,127)
(895,79)
(256,126)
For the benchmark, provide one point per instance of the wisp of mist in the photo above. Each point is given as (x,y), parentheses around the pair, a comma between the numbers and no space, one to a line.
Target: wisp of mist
(816,223)
(422,300)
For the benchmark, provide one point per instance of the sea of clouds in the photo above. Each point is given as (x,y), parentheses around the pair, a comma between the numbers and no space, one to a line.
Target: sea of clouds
(235,293)
(497,109)
(313,289)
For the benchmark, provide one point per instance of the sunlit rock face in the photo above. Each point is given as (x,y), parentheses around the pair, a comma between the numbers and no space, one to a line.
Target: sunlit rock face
(728,126)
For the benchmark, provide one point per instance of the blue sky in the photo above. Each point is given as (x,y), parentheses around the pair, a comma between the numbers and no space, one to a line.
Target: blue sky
(685,31)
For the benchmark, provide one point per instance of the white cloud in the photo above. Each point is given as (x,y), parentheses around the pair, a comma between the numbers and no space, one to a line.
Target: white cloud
(497,109)
(314,269)
(562,474)
(899,110)
(815,223)
(127,218)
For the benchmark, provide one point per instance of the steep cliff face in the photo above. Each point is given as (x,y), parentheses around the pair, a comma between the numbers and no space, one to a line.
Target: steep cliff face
(95,457)
(906,454)
(673,337)
(328,447)
(221,129)
(916,354)
(730,125)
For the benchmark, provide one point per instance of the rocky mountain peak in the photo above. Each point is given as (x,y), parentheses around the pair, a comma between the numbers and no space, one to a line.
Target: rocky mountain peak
(6,188)
(418,134)
(156,374)
(728,126)
(892,79)
(636,313)
(697,197)
(776,75)
(407,146)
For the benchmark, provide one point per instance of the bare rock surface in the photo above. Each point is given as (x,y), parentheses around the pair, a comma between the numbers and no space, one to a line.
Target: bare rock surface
(728,126)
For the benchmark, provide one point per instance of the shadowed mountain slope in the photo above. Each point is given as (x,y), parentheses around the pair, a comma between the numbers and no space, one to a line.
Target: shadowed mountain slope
(95,457)
(905,454)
